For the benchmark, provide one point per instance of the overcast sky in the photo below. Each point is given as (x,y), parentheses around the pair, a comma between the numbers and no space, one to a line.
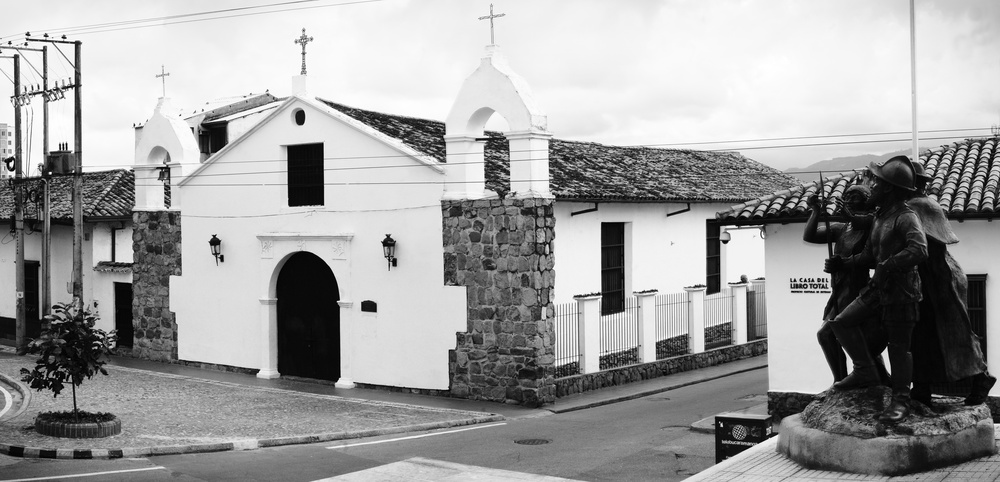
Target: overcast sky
(615,72)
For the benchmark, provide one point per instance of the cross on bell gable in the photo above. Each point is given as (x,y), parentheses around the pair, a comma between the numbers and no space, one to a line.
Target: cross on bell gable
(163,76)
(491,16)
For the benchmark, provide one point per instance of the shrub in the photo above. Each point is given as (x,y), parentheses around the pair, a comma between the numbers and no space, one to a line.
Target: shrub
(70,349)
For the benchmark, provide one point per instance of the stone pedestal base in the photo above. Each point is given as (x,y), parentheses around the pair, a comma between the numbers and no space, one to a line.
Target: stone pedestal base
(840,431)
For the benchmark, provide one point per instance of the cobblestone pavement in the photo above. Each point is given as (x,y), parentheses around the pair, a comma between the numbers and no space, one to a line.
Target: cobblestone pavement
(168,413)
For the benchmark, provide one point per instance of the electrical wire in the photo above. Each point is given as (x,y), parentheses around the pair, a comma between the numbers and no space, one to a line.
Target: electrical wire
(28,130)
(693,177)
(65,30)
(419,165)
(68,61)
(8,77)
(310,212)
(843,143)
(162,21)
(771,139)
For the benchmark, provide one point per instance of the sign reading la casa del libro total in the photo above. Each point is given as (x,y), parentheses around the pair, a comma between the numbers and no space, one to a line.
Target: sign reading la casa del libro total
(809,285)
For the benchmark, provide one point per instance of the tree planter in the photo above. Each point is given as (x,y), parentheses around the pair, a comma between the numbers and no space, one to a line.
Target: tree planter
(70,429)
(70,350)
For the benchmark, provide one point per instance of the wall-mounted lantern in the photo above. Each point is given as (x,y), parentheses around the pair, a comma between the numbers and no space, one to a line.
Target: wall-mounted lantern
(389,250)
(216,245)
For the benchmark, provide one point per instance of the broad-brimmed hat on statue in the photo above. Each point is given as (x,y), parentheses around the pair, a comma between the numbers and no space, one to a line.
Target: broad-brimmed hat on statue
(897,171)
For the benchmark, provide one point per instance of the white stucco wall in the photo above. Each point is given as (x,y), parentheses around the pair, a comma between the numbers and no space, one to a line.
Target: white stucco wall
(102,241)
(219,311)
(97,287)
(795,361)
(664,253)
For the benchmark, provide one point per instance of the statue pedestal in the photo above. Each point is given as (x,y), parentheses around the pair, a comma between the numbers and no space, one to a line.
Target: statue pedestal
(840,431)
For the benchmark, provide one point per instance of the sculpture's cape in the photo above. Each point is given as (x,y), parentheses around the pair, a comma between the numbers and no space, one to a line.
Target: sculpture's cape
(936,224)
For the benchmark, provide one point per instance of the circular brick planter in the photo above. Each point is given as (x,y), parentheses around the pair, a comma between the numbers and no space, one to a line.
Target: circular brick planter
(65,429)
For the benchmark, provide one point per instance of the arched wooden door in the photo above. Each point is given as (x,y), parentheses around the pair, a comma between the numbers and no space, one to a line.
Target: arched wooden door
(308,319)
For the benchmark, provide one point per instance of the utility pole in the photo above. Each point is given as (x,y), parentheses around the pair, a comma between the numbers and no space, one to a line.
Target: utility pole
(77,165)
(46,219)
(20,330)
(22,96)
(915,156)
(78,182)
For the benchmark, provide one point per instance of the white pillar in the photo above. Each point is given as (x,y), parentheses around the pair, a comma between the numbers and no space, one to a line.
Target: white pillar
(268,338)
(647,326)
(465,169)
(346,345)
(696,318)
(589,330)
(739,313)
(529,164)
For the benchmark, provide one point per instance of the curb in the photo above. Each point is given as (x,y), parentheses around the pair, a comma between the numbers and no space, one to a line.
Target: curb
(23,390)
(707,424)
(243,444)
(647,393)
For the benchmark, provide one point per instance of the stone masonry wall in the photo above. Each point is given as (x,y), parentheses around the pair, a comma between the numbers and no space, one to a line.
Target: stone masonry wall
(634,373)
(156,246)
(501,251)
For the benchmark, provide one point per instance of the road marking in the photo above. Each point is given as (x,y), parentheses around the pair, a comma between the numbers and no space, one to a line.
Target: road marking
(417,436)
(74,476)
(8,401)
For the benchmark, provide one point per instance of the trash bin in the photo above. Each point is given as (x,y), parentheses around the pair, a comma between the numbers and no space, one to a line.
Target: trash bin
(736,432)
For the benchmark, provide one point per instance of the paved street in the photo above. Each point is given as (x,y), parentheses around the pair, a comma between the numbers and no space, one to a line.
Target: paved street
(649,438)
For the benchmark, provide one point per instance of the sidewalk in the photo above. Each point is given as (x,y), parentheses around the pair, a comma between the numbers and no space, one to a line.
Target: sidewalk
(170,409)
(762,463)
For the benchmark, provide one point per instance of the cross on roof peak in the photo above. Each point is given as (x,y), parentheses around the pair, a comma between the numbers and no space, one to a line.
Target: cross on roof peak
(491,16)
(303,40)
(163,76)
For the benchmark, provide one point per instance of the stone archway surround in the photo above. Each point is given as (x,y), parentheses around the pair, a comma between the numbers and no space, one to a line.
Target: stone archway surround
(275,249)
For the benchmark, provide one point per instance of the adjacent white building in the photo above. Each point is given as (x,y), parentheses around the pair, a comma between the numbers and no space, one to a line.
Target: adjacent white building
(107,250)
(965,183)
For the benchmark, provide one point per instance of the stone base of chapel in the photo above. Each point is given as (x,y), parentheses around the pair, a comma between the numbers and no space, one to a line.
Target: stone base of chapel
(840,431)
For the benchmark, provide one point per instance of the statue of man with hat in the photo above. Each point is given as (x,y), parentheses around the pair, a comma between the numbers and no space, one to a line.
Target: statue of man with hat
(894,249)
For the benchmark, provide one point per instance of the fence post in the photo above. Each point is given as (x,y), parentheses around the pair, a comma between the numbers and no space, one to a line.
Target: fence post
(647,325)
(696,320)
(739,313)
(589,330)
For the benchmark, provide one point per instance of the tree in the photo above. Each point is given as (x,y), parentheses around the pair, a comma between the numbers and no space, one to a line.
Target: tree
(70,349)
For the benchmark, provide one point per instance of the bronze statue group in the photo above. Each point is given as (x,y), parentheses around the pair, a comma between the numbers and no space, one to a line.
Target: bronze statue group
(914,302)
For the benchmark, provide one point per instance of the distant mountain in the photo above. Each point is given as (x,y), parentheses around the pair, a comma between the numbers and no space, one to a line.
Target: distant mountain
(839,164)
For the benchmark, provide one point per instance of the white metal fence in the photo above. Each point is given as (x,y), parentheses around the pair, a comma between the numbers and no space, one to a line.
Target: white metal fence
(653,327)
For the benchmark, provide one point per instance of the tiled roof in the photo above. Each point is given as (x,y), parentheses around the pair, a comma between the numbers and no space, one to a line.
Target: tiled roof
(965,182)
(113,267)
(106,194)
(219,108)
(597,172)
